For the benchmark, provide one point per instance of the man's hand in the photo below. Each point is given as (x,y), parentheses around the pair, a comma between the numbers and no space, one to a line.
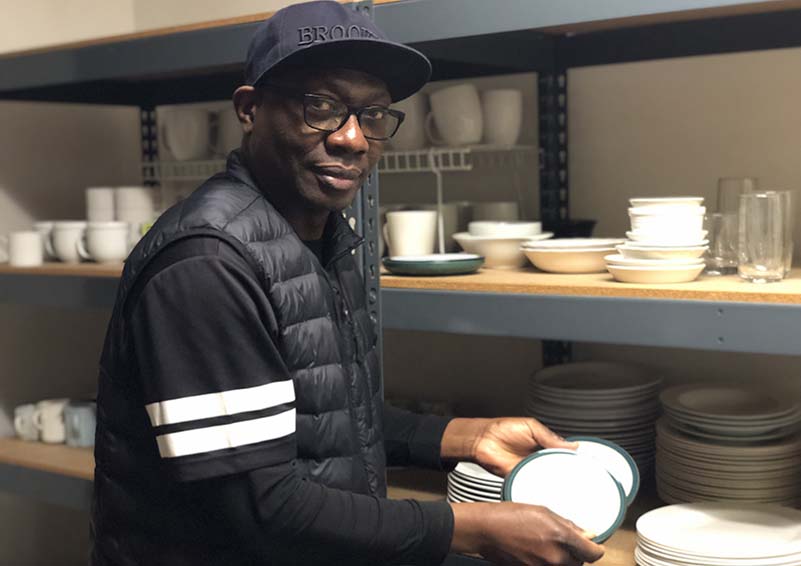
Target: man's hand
(498,445)
(511,533)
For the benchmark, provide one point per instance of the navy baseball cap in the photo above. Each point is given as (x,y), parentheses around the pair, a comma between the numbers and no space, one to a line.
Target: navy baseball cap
(325,33)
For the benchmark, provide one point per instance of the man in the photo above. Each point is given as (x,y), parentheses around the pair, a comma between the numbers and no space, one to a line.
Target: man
(239,411)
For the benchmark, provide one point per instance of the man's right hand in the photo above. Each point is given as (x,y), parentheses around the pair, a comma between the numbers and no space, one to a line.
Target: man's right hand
(512,533)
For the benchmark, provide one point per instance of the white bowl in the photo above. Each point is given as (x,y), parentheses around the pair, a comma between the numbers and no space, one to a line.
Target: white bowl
(688,220)
(639,274)
(499,253)
(586,260)
(668,239)
(666,201)
(574,243)
(504,229)
(633,251)
(618,259)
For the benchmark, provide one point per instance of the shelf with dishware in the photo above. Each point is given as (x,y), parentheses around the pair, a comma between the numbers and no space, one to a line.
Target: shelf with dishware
(62,474)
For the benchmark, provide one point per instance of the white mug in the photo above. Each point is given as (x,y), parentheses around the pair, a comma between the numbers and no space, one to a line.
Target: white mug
(410,232)
(44,228)
(105,242)
(412,133)
(23,422)
(186,132)
(100,204)
(48,418)
(502,115)
(22,249)
(80,421)
(63,241)
(456,111)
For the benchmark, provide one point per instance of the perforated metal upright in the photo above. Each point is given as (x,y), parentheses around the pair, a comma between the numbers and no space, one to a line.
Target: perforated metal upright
(554,194)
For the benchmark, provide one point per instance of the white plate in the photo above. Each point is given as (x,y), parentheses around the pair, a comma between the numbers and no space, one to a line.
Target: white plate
(577,243)
(434,257)
(633,251)
(655,275)
(474,471)
(482,489)
(666,201)
(615,459)
(618,259)
(724,530)
(728,401)
(587,260)
(671,240)
(576,487)
(472,495)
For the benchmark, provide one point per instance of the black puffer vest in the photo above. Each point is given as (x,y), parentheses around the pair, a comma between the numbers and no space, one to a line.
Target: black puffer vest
(322,327)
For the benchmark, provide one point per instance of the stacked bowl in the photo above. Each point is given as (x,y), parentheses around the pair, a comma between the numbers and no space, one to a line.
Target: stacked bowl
(666,242)
(616,402)
(570,255)
(500,242)
(728,443)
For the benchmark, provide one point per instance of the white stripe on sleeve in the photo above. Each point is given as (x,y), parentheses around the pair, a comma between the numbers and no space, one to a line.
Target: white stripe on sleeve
(209,439)
(210,405)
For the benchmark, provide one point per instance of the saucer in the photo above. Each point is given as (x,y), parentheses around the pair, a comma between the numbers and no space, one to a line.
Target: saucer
(434,264)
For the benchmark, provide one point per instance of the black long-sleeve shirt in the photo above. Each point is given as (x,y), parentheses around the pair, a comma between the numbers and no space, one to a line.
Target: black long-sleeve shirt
(195,316)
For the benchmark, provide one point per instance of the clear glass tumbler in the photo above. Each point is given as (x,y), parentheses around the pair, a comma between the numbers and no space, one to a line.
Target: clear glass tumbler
(721,257)
(729,191)
(761,236)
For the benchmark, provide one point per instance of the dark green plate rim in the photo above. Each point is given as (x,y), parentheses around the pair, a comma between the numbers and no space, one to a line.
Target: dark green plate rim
(507,489)
(469,264)
(635,471)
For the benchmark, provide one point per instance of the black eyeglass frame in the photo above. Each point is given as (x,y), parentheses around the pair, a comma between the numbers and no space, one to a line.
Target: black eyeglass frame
(351,110)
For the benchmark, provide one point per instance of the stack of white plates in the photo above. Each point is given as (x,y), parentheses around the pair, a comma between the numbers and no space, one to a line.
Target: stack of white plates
(617,402)
(719,534)
(666,242)
(570,255)
(469,483)
(728,443)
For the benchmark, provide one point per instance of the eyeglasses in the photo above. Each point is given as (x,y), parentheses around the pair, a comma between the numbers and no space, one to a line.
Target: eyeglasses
(327,114)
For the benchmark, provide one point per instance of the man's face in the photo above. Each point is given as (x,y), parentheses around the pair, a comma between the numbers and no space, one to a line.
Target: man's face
(306,168)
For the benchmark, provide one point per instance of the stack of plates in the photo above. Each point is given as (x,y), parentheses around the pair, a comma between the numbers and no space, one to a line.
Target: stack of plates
(617,402)
(666,243)
(469,483)
(719,534)
(728,443)
(570,255)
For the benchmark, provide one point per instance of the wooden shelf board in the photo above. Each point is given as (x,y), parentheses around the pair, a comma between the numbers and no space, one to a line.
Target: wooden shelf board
(529,281)
(66,269)
(54,458)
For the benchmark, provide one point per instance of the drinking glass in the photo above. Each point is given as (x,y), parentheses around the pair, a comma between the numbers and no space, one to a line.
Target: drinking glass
(723,237)
(729,191)
(761,236)
(789,225)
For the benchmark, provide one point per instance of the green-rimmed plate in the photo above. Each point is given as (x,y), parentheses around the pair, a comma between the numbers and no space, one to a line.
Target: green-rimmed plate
(615,459)
(576,487)
(434,264)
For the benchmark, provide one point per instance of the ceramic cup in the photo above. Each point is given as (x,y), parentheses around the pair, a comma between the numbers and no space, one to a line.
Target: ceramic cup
(100,204)
(456,112)
(412,133)
(105,242)
(44,228)
(502,115)
(48,418)
(229,130)
(22,249)
(63,241)
(186,132)
(410,232)
(23,422)
(80,422)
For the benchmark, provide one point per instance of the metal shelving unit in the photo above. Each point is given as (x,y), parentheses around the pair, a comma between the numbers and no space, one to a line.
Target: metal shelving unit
(463,38)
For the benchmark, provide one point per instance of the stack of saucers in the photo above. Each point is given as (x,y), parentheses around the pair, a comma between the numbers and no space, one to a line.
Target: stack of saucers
(666,242)
(728,443)
(469,483)
(719,534)
(617,402)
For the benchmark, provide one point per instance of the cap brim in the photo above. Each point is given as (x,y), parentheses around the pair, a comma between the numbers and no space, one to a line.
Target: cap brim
(404,69)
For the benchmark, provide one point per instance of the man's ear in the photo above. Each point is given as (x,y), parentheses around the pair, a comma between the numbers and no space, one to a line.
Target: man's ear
(245,101)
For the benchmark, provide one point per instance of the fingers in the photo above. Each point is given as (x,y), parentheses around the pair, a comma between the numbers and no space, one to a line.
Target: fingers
(584,549)
(547,438)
